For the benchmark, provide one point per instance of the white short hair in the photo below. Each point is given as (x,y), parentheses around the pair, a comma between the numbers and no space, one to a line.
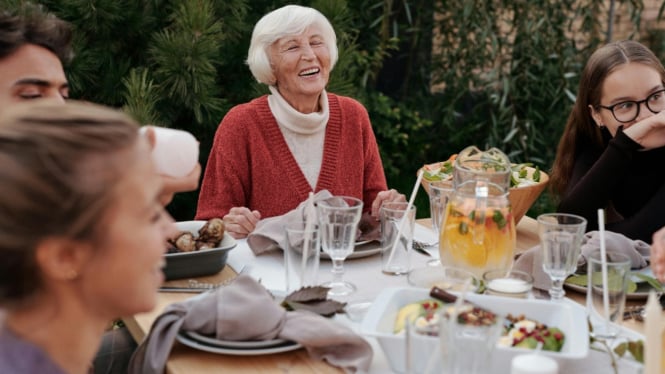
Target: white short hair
(287,20)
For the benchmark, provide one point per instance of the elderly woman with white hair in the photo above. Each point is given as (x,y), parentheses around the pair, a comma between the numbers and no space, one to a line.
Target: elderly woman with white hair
(270,153)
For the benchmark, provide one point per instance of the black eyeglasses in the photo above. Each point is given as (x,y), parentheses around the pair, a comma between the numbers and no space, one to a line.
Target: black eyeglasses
(627,111)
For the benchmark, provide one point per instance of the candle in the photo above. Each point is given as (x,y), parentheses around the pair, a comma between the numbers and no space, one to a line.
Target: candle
(509,285)
(533,364)
(654,326)
(512,284)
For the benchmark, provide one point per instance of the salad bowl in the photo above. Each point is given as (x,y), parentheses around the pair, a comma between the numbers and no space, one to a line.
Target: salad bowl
(567,315)
(527,183)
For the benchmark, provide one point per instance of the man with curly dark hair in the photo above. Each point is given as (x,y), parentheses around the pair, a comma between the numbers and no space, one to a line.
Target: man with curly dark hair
(34,46)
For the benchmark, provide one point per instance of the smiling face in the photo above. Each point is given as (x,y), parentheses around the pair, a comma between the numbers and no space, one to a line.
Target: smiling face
(124,271)
(633,81)
(31,72)
(301,64)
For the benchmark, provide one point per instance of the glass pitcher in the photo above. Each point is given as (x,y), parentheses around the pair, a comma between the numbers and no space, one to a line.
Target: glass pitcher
(478,232)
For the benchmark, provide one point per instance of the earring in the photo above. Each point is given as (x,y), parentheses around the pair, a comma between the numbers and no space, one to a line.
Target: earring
(601,126)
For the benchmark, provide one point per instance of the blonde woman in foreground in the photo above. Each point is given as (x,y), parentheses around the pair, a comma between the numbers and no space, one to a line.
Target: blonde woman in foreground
(82,233)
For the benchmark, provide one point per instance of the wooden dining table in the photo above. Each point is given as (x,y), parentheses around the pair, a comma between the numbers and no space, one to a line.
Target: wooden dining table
(186,360)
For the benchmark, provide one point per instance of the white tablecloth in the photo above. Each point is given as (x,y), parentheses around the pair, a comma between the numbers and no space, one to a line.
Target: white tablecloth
(366,274)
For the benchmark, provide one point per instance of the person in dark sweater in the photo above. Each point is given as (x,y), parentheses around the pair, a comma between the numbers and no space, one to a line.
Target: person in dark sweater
(270,153)
(612,150)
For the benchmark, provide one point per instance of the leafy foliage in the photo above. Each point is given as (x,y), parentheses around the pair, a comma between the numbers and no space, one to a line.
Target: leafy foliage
(313,299)
(434,76)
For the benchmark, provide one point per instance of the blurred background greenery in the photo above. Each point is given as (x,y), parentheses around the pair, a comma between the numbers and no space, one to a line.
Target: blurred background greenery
(435,76)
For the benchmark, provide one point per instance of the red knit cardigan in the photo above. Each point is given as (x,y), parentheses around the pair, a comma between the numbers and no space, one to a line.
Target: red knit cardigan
(251,165)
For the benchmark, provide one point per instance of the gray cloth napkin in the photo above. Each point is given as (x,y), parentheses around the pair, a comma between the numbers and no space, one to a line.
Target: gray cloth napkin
(531,261)
(243,311)
(269,233)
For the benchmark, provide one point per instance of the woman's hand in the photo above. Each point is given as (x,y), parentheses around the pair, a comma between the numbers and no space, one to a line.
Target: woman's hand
(658,255)
(649,132)
(240,221)
(385,197)
(172,185)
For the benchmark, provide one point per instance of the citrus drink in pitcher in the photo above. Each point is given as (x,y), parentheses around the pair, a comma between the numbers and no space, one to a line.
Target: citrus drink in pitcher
(478,232)
(465,244)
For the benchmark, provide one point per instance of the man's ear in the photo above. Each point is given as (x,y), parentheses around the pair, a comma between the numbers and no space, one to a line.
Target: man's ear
(62,259)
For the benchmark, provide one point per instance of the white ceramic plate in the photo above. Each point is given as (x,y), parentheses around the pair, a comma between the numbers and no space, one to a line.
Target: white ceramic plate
(257,344)
(362,249)
(286,347)
(641,293)
(567,315)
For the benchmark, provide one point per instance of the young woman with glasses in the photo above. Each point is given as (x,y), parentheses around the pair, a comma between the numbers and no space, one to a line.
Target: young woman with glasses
(612,150)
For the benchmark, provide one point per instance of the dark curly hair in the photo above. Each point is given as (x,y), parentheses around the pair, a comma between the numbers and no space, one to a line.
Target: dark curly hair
(32,24)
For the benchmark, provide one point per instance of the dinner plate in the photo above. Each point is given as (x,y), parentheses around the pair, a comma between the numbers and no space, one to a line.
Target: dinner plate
(286,347)
(641,293)
(362,249)
(255,344)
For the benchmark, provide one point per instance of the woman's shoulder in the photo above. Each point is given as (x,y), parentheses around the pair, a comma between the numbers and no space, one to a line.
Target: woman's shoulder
(348,108)
(20,356)
(345,102)
(258,104)
(243,116)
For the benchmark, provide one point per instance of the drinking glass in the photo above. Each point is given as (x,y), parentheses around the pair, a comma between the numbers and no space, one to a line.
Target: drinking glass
(338,222)
(397,225)
(301,255)
(617,273)
(466,347)
(560,239)
(439,193)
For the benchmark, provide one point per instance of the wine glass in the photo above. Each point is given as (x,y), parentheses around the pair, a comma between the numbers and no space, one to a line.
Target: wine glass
(439,193)
(338,221)
(560,239)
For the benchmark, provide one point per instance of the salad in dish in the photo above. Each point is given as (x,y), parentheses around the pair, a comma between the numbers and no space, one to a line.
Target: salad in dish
(520,176)
(518,331)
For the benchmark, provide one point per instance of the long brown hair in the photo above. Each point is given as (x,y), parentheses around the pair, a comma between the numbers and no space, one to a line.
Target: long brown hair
(581,131)
(60,168)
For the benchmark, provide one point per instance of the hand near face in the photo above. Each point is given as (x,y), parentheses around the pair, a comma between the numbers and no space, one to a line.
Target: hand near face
(173,185)
(386,197)
(650,132)
(240,221)
(658,255)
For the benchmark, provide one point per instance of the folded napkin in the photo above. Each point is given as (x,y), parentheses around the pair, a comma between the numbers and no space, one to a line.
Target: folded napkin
(270,234)
(243,311)
(531,261)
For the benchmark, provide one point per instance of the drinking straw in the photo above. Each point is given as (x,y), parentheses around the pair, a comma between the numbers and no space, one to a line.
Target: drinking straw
(603,262)
(406,214)
(310,213)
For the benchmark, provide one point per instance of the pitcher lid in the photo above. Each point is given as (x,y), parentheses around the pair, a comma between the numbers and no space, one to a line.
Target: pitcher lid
(491,165)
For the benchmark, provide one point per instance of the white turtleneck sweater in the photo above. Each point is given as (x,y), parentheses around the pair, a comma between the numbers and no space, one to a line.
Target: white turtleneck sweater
(304,133)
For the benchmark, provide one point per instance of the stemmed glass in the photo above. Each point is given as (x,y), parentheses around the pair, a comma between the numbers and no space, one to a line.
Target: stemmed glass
(560,239)
(338,221)
(439,193)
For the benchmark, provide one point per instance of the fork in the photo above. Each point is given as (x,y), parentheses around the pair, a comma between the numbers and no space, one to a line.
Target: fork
(421,246)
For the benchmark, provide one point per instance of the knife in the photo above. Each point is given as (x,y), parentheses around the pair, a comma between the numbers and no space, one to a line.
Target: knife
(184,289)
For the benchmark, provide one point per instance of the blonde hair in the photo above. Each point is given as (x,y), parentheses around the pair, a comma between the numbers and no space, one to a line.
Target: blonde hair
(60,166)
(287,20)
